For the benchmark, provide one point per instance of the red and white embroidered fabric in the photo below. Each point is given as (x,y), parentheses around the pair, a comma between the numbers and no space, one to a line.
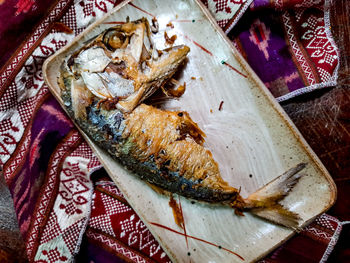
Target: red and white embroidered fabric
(315,50)
(226,12)
(116,227)
(70,212)
(289,45)
(30,44)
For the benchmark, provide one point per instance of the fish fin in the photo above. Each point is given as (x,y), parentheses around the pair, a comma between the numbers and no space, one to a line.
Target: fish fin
(280,215)
(265,202)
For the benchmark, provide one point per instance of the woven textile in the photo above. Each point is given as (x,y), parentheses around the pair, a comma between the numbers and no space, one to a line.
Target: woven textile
(47,165)
(289,45)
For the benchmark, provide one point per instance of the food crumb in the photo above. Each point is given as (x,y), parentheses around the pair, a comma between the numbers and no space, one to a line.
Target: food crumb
(221,103)
(193,78)
(159,52)
(155,25)
(178,90)
(169,40)
(201,79)
(211,110)
(171,25)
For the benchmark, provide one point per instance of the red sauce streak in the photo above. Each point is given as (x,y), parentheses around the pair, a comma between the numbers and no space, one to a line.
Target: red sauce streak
(200,46)
(178,216)
(183,223)
(240,73)
(211,54)
(114,23)
(139,8)
(196,238)
(221,103)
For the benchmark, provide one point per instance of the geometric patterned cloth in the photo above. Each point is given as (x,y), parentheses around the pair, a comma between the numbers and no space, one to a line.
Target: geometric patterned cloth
(289,45)
(115,227)
(313,244)
(66,205)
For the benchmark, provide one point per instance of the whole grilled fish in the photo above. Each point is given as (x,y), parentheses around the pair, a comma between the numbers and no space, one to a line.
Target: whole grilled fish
(103,85)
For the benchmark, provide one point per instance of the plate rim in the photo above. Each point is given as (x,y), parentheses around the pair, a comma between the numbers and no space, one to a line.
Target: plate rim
(258,84)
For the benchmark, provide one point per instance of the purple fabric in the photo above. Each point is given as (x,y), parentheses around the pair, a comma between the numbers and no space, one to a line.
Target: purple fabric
(16,24)
(89,252)
(46,132)
(260,3)
(266,50)
(288,44)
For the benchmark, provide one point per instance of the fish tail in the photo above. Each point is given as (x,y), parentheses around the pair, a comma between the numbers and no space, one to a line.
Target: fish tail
(265,202)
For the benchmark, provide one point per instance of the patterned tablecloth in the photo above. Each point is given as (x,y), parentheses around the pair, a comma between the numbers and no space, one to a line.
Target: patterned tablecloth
(65,203)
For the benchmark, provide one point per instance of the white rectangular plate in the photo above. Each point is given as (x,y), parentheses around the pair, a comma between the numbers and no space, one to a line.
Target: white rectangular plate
(251,138)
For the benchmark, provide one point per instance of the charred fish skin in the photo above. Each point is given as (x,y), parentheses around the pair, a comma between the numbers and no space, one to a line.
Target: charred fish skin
(126,128)
(110,135)
(106,132)
(103,85)
(107,129)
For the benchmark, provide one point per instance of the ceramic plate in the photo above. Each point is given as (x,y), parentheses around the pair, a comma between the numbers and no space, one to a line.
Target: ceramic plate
(250,137)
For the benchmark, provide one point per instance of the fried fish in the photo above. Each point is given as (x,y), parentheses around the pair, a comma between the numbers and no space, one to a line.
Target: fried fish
(103,85)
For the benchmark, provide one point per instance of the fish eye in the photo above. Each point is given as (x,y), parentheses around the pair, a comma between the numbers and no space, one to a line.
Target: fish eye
(114,39)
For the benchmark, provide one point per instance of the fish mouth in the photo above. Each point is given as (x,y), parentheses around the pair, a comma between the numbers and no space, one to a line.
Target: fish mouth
(122,64)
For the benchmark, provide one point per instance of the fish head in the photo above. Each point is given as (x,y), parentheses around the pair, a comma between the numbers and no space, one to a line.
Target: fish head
(122,63)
